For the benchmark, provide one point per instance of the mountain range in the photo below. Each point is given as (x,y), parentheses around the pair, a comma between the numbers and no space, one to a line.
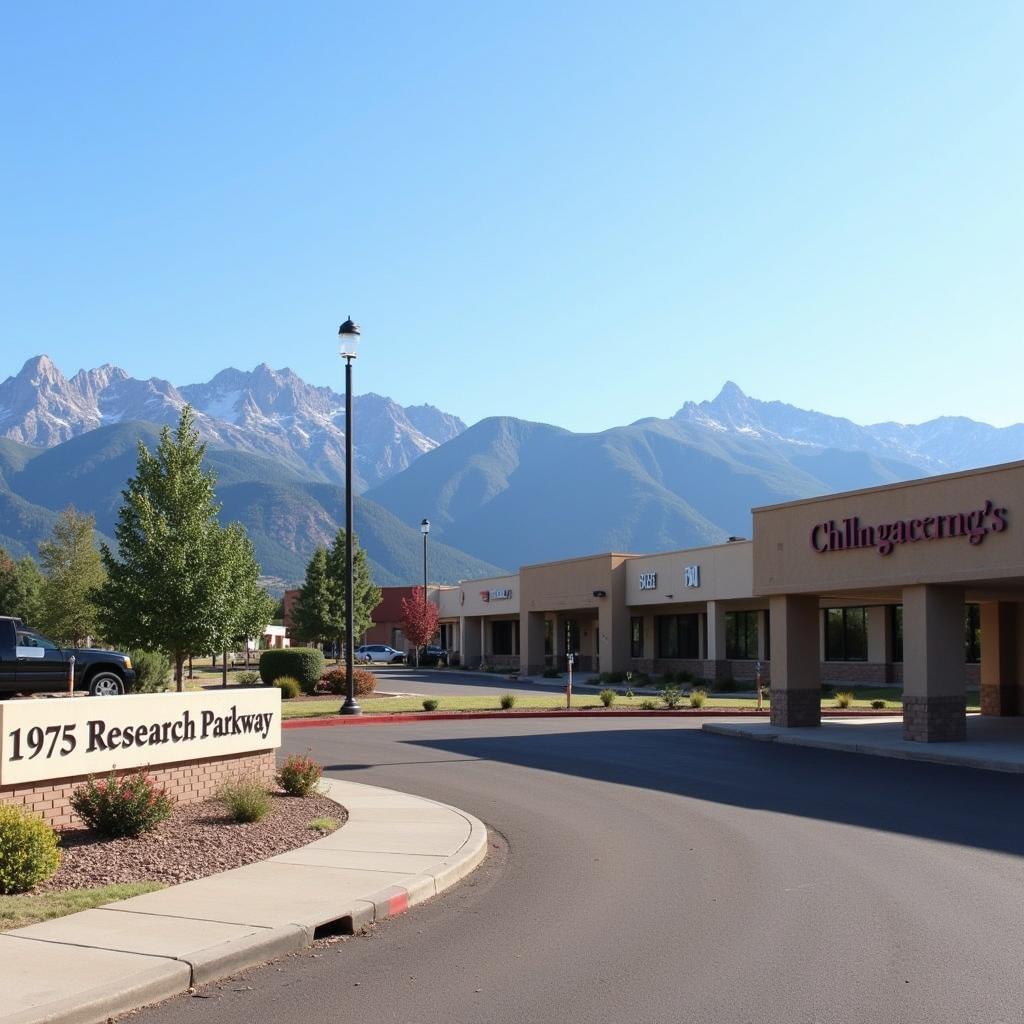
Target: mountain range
(263,411)
(503,492)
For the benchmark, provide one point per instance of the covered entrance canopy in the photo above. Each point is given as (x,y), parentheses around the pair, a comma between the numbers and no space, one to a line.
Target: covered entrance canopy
(932,547)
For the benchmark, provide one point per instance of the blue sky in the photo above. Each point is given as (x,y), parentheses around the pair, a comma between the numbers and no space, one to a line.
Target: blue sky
(582,213)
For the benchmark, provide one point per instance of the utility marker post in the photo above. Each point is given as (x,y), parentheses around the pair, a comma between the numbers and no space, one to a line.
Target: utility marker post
(568,684)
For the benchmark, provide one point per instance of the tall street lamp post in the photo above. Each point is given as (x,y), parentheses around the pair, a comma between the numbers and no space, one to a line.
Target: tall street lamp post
(348,336)
(425,530)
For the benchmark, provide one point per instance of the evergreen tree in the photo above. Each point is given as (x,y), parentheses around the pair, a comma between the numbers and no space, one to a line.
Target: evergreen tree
(319,612)
(21,585)
(171,586)
(365,593)
(312,611)
(73,572)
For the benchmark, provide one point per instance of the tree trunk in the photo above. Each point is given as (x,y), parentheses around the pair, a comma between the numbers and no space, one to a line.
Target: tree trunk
(247,654)
(190,666)
(224,670)
(179,664)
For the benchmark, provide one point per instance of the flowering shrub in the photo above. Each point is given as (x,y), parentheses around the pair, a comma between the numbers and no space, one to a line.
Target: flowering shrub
(299,775)
(124,806)
(364,681)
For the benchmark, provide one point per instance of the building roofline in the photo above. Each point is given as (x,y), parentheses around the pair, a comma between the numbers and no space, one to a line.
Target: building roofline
(1001,467)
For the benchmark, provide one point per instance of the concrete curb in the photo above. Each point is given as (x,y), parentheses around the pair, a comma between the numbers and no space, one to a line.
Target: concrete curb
(395,851)
(922,752)
(402,717)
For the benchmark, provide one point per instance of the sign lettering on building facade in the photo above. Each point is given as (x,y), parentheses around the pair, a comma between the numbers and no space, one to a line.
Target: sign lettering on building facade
(648,581)
(849,534)
(691,576)
(498,594)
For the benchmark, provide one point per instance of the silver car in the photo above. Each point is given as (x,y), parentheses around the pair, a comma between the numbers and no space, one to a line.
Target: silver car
(379,654)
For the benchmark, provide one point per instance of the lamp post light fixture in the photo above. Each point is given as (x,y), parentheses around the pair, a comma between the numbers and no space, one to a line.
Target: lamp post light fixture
(348,338)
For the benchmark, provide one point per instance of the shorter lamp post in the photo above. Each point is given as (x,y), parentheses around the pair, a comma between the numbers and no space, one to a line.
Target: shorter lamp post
(425,530)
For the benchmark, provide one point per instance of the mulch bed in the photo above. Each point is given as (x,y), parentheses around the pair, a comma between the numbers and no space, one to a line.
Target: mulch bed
(197,840)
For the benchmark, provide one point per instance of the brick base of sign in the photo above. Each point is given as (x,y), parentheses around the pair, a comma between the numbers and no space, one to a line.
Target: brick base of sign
(185,782)
(795,708)
(934,719)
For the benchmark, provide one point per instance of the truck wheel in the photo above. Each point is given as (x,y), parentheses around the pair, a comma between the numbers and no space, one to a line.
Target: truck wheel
(106,684)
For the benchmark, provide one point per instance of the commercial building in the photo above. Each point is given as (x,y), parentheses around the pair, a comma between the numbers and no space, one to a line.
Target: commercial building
(918,584)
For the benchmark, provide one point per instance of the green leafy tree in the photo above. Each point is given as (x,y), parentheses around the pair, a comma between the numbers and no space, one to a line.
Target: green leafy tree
(365,593)
(73,572)
(171,585)
(253,606)
(21,588)
(312,611)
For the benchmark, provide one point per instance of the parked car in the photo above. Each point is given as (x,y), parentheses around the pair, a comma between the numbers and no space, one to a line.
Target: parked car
(379,654)
(433,654)
(32,663)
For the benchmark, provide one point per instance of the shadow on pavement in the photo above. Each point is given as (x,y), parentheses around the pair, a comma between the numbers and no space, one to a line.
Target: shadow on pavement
(949,804)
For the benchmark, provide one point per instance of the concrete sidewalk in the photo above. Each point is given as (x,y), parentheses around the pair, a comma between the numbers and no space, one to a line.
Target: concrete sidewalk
(395,850)
(993,744)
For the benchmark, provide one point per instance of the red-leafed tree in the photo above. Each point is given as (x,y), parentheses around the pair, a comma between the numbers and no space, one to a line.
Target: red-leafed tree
(419,620)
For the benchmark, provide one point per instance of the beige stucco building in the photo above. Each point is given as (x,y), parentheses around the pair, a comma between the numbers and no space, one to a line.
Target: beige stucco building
(919,584)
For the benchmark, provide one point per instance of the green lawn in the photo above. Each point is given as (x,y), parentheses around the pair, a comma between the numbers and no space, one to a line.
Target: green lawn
(19,911)
(548,702)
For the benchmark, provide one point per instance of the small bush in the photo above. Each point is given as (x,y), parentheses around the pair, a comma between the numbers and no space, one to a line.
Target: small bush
(245,800)
(431,704)
(324,825)
(698,697)
(152,671)
(29,853)
(844,699)
(607,697)
(878,704)
(648,704)
(363,680)
(248,679)
(306,664)
(298,775)
(288,686)
(551,673)
(508,700)
(125,806)
(671,695)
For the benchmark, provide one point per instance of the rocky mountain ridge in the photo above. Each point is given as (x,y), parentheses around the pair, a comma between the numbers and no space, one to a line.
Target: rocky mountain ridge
(263,411)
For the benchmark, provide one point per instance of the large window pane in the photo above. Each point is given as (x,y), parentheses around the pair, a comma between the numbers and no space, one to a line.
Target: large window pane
(636,637)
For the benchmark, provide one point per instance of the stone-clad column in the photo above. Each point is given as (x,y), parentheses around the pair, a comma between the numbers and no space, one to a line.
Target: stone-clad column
(531,642)
(934,683)
(715,656)
(795,689)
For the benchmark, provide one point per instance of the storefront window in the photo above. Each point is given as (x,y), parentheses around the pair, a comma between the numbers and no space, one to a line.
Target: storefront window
(636,636)
(846,634)
(972,634)
(678,636)
(505,637)
(741,636)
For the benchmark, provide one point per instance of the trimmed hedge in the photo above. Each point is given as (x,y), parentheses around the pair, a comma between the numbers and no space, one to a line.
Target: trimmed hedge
(306,664)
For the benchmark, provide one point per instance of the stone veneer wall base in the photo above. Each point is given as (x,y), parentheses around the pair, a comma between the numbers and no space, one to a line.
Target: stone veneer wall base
(934,719)
(794,709)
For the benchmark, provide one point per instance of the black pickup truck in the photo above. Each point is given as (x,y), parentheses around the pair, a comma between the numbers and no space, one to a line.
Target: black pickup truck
(30,663)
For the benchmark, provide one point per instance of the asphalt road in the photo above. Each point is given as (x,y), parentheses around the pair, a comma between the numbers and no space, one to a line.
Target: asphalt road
(651,873)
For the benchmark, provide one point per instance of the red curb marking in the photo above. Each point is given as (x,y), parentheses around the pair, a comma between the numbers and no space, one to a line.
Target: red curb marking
(455,716)
(398,904)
